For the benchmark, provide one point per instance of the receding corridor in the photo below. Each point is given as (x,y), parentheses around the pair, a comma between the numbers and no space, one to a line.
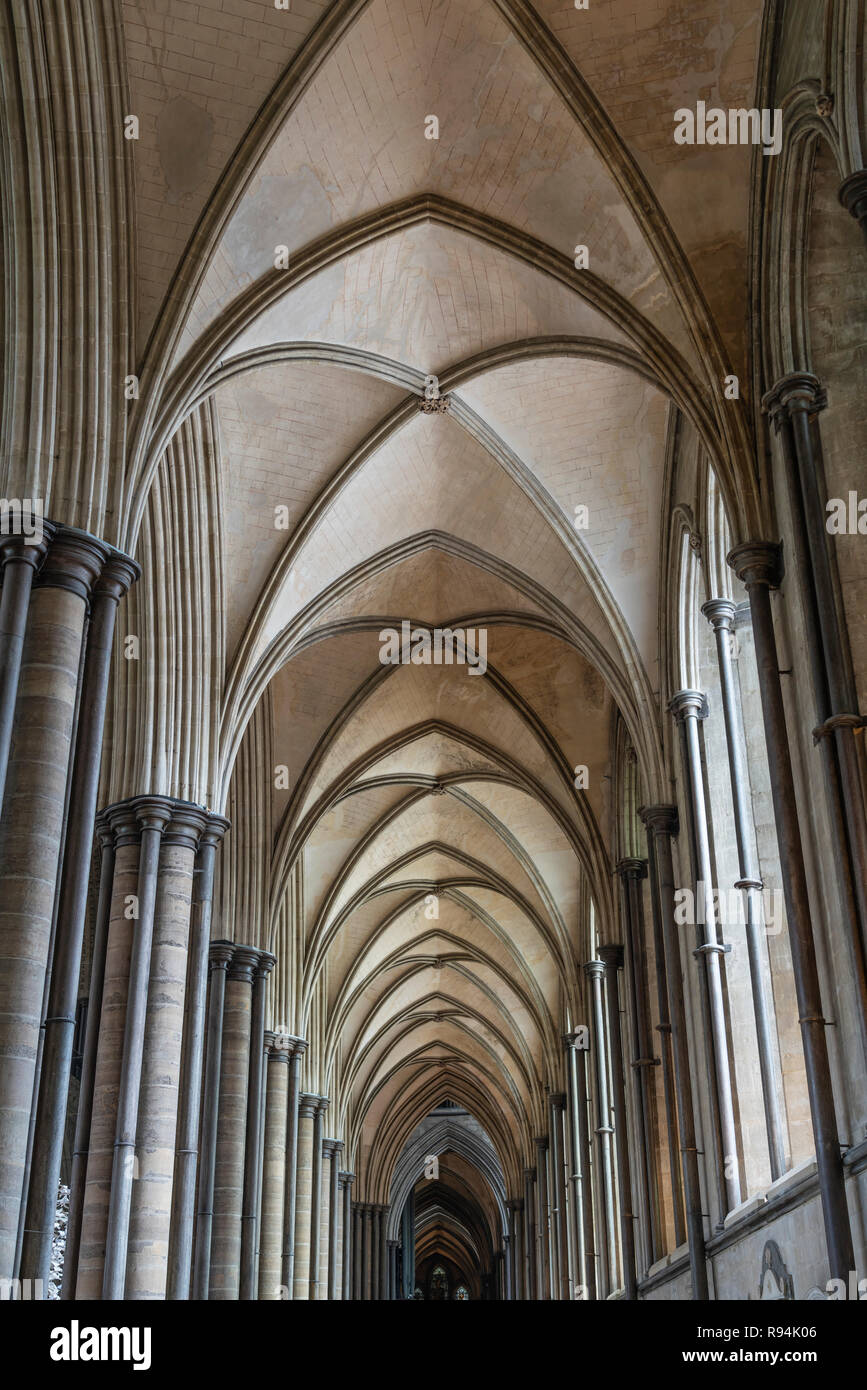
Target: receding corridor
(433,850)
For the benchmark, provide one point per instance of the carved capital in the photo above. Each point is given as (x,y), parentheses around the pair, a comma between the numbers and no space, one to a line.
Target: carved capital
(757,562)
(659,820)
(74,561)
(244,962)
(853,195)
(797,391)
(220,955)
(720,613)
(688,704)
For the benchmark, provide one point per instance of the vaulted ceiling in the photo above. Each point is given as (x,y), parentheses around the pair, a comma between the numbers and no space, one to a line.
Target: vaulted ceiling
(429,829)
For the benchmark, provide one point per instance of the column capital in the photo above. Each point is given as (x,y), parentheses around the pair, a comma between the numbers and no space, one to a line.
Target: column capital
(393,1244)
(720,613)
(796,391)
(558,1100)
(688,704)
(220,954)
(215,828)
(186,826)
(346,1179)
(334,1147)
(541,1141)
(322,1104)
(118,574)
(612,955)
(153,812)
(757,562)
(631,868)
(243,965)
(577,1041)
(26,550)
(275,1046)
(661,820)
(530,1174)
(853,195)
(514,1204)
(102,831)
(595,970)
(74,561)
(297,1046)
(265,964)
(307,1105)
(121,821)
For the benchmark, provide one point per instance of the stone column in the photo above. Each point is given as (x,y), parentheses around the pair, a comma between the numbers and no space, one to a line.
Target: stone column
(688,707)
(297,1048)
(20,559)
(513,1207)
(853,196)
(794,404)
(219,959)
(595,971)
(530,1233)
(631,872)
(383,1252)
(661,822)
(225,1276)
(184,1195)
(757,566)
(78,1173)
(273,1168)
(582,1198)
(543,1266)
(316,1198)
(375,1261)
(31,830)
(366,1252)
(393,1247)
(666,1046)
(612,956)
(86,1278)
(333,1278)
(720,614)
(153,814)
(328,1167)
(347,1248)
(307,1109)
(249,1286)
(357,1251)
(59,1025)
(151,1202)
(559,1236)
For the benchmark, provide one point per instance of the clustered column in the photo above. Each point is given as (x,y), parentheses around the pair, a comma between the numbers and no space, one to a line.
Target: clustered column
(52,704)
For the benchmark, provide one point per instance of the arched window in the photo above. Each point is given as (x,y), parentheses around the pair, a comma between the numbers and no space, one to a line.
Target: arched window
(439,1284)
(461,1294)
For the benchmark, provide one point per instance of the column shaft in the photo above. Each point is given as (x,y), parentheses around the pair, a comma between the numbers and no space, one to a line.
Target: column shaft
(298,1049)
(59,1024)
(303,1195)
(153,813)
(613,959)
(30,840)
(184,1196)
(249,1286)
(219,958)
(274,1169)
(661,821)
(543,1277)
(225,1266)
(156,1131)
